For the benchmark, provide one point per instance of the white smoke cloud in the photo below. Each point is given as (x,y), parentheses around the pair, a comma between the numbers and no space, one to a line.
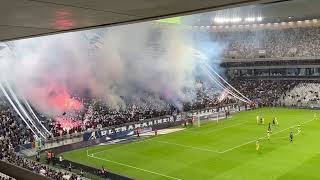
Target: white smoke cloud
(111,63)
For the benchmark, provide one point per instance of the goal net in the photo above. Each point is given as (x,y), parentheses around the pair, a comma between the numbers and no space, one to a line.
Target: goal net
(209,116)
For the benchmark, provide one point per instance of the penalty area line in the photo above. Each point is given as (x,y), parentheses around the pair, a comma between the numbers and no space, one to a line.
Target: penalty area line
(186,146)
(134,167)
(123,145)
(218,129)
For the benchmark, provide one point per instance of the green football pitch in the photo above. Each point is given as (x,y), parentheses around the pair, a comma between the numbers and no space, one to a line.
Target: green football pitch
(224,150)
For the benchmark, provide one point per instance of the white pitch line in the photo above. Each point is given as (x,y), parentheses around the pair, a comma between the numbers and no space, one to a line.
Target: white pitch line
(230,149)
(186,146)
(202,149)
(123,145)
(218,129)
(130,166)
(283,137)
(214,130)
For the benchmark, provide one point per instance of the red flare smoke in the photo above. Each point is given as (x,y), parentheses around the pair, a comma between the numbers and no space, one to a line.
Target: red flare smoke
(54,97)
(67,123)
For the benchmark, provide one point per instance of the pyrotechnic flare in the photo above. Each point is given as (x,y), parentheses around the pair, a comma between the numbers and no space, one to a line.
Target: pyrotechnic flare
(217,78)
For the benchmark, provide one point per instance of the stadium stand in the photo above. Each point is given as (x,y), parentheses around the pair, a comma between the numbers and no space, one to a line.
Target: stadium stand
(99,115)
(278,43)
(302,95)
(303,42)
(265,92)
(13,134)
(5,177)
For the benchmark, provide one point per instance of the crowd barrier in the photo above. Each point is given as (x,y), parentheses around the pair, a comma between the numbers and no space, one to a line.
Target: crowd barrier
(19,173)
(86,169)
(95,171)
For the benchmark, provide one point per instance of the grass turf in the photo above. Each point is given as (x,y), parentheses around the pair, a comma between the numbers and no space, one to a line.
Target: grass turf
(224,150)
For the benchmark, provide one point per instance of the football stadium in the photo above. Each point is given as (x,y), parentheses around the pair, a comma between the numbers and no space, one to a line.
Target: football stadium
(167,90)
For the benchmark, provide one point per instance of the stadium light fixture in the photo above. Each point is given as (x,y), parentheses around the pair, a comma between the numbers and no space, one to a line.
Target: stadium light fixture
(250,19)
(223,20)
(236,20)
(259,18)
(227,20)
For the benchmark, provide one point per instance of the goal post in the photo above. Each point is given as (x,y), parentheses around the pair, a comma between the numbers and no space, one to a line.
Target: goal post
(198,118)
(196,121)
(217,117)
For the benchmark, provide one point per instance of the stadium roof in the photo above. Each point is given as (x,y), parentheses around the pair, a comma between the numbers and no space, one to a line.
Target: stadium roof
(276,11)
(29,18)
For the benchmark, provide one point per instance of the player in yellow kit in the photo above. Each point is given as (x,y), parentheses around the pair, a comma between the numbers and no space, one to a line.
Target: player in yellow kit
(299,129)
(257,145)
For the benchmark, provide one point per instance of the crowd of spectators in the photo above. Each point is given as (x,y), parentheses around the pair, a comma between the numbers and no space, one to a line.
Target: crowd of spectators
(306,94)
(264,92)
(98,114)
(13,133)
(277,43)
(39,168)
